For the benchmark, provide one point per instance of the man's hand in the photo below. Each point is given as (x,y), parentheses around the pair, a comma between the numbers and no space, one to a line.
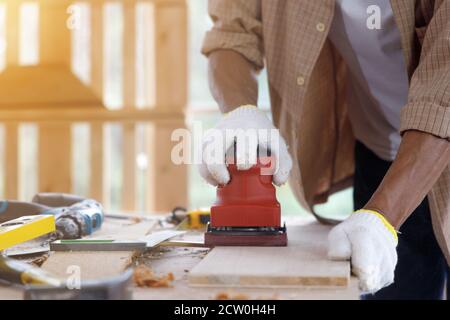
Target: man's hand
(369,241)
(250,128)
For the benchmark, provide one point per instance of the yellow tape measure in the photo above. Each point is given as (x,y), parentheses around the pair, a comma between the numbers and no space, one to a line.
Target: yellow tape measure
(191,219)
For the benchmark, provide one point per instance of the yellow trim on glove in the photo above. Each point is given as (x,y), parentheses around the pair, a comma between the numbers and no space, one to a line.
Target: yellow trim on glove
(383,219)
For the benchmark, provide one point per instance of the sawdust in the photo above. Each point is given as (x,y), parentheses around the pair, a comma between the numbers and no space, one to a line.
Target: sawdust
(231,296)
(136,220)
(40,260)
(143,276)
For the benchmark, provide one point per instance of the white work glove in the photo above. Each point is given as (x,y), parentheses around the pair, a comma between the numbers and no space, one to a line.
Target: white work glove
(369,241)
(233,127)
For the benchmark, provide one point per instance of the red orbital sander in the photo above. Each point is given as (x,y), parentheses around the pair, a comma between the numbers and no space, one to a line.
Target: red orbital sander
(247,212)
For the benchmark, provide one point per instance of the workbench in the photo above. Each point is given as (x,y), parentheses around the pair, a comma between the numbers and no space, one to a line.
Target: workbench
(181,260)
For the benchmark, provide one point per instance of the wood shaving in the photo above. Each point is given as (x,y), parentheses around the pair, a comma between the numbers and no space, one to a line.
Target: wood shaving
(40,260)
(143,276)
(231,296)
(241,296)
(136,219)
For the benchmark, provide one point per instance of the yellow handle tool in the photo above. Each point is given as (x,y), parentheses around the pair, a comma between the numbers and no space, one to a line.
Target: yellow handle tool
(190,219)
(25,228)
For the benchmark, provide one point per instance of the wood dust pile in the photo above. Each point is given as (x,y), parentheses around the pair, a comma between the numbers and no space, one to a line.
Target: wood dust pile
(143,276)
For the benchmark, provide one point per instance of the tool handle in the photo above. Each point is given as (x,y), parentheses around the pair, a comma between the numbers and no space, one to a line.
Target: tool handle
(10,209)
(54,199)
(18,272)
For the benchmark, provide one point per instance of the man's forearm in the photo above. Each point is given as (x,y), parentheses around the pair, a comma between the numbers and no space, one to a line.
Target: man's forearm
(420,161)
(232,80)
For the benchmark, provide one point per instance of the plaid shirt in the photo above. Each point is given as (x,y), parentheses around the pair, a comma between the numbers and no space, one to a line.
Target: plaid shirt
(307,85)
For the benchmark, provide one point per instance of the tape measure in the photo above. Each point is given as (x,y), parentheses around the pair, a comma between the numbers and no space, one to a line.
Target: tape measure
(191,219)
(25,228)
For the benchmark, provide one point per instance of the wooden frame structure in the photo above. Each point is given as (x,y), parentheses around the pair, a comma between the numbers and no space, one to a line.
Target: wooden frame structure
(54,114)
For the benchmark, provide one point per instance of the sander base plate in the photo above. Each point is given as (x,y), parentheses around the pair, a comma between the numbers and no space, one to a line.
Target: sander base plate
(238,238)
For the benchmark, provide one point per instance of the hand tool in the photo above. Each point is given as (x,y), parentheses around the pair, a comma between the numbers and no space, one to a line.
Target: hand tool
(74,220)
(54,199)
(80,219)
(147,242)
(25,228)
(97,245)
(191,219)
(247,212)
(41,285)
(68,205)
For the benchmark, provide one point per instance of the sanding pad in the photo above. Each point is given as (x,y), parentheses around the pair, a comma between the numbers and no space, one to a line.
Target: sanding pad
(278,240)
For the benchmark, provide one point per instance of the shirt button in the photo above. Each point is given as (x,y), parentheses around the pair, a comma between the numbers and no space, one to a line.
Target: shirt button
(300,81)
(320,27)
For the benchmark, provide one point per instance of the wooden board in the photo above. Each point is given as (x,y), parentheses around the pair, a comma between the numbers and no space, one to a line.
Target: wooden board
(180,261)
(302,263)
(97,265)
(44,87)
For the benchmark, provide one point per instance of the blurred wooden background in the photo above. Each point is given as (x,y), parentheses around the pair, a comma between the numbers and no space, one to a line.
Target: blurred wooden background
(126,73)
(50,95)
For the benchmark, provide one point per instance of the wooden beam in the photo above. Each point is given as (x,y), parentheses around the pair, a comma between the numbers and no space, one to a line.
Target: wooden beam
(97,189)
(55,38)
(129,166)
(11,169)
(88,114)
(171,94)
(97,56)
(96,161)
(149,63)
(167,181)
(12,32)
(54,138)
(129,94)
(129,55)
(171,55)
(55,157)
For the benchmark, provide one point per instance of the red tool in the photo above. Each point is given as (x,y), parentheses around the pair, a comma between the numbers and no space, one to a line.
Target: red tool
(247,212)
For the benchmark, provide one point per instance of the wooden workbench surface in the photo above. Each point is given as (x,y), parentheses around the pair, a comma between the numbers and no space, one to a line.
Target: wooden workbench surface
(180,261)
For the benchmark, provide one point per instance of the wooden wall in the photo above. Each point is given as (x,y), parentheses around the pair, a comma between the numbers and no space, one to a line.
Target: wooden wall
(55,114)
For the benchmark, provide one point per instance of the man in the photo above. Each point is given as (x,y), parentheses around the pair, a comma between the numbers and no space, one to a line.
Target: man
(335,78)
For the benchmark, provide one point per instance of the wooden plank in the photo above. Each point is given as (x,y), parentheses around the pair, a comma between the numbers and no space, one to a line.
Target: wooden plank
(171,54)
(171,94)
(107,165)
(97,265)
(180,261)
(12,32)
(44,86)
(97,54)
(302,263)
(89,114)
(129,167)
(55,157)
(129,55)
(96,161)
(54,36)
(11,143)
(97,190)
(166,181)
(129,93)
(148,63)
